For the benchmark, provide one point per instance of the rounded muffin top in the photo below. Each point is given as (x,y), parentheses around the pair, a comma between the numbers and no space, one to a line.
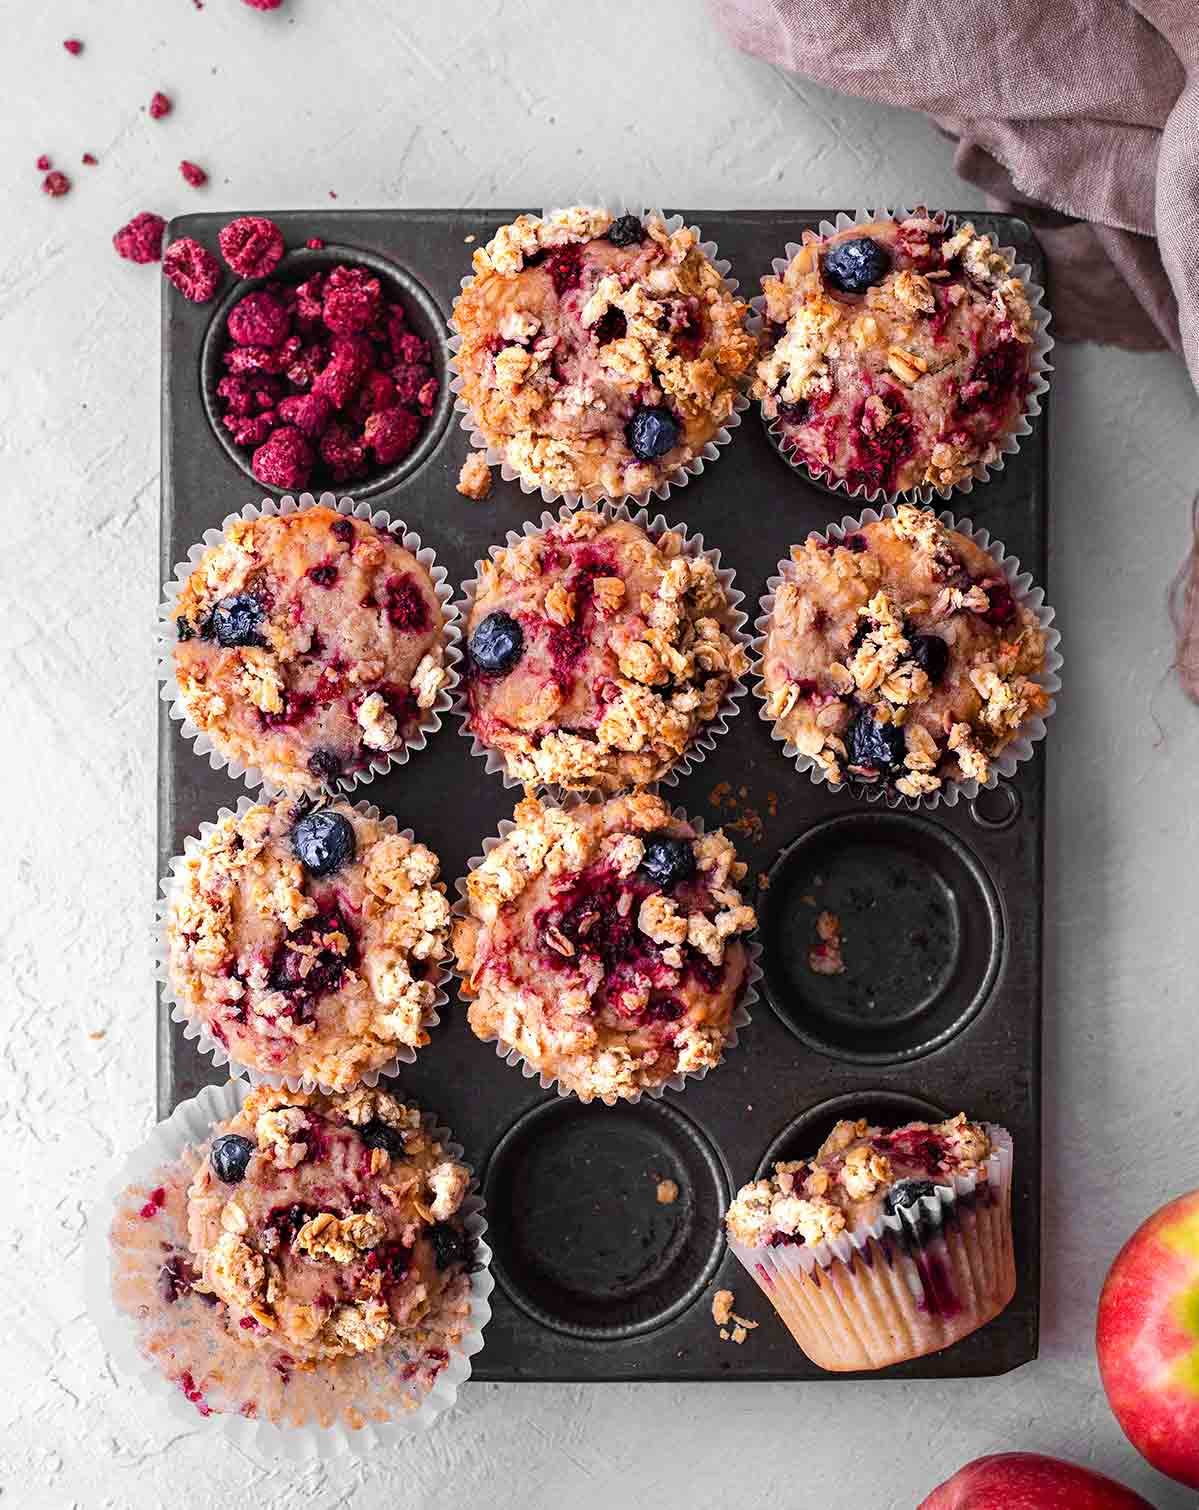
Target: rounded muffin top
(309,644)
(599,355)
(308,939)
(900,655)
(898,354)
(859,1174)
(606,944)
(326,1224)
(596,654)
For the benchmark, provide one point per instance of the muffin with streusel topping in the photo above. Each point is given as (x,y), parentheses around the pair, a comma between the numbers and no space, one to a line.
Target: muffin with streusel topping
(600,356)
(310,646)
(898,355)
(307,939)
(606,944)
(887,1244)
(327,1226)
(597,655)
(900,654)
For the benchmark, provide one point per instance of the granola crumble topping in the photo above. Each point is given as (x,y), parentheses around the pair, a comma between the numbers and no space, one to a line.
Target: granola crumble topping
(596,972)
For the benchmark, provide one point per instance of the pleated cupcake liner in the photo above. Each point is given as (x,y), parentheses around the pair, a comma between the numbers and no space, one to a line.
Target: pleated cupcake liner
(512,1056)
(356,1414)
(1009,444)
(384,761)
(905,1285)
(497,456)
(1018,750)
(705,740)
(197,1032)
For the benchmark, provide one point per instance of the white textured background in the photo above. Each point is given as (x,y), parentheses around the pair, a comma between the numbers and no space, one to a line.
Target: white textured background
(472,102)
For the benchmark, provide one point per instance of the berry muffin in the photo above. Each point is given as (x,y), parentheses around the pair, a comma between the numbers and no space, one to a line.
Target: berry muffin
(899,655)
(598,355)
(898,354)
(309,645)
(932,1203)
(597,654)
(605,944)
(308,940)
(326,1225)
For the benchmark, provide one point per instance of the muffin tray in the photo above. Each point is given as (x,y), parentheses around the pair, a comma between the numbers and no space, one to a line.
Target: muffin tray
(940,1008)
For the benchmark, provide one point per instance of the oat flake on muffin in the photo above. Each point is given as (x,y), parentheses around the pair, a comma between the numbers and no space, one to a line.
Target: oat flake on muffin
(605,944)
(308,645)
(900,655)
(308,940)
(327,1225)
(898,354)
(596,654)
(598,355)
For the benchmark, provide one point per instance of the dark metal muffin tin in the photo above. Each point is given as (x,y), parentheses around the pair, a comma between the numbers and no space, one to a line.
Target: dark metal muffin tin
(941,1003)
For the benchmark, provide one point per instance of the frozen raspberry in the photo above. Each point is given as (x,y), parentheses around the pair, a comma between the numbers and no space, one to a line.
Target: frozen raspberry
(285,461)
(310,300)
(343,453)
(90,159)
(377,392)
(272,359)
(56,184)
(74,46)
(249,395)
(391,434)
(160,105)
(250,429)
(259,320)
(193,174)
(309,361)
(308,412)
(409,381)
(314,244)
(251,245)
(141,239)
(44,164)
(352,300)
(350,360)
(192,269)
(410,349)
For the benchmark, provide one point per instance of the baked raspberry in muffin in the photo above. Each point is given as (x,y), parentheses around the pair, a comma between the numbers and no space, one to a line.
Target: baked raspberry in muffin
(606,944)
(309,645)
(598,355)
(899,655)
(596,654)
(887,1244)
(898,354)
(327,1225)
(307,939)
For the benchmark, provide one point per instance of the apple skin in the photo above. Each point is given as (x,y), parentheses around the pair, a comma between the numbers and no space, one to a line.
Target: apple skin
(1147,1339)
(1030,1481)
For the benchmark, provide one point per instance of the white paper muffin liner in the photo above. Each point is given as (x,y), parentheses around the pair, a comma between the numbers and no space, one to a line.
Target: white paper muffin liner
(681,476)
(189,1126)
(850,1307)
(693,547)
(164,637)
(197,1033)
(1018,750)
(1039,369)
(740,1017)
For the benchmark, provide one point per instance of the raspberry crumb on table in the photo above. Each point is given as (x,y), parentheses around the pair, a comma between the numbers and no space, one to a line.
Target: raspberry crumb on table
(56,184)
(90,159)
(44,164)
(74,46)
(474,480)
(668,1192)
(160,105)
(193,173)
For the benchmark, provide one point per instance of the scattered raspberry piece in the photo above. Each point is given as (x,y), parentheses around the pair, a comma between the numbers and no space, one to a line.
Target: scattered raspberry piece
(74,46)
(426,398)
(251,245)
(141,239)
(194,174)
(391,434)
(160,105)
(308,412)
(314,244)
(285,461)
(44,164)
(344,455)
(263,4)
(352,300)
(90,160)
(474,480)
(192,269)
(259,320)
(56,184)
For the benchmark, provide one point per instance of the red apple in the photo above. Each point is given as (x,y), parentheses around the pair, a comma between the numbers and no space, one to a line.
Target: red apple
(1148,1339)
(1029,1481)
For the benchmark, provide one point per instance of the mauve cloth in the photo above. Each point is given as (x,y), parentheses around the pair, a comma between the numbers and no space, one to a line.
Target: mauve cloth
(1080,115)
